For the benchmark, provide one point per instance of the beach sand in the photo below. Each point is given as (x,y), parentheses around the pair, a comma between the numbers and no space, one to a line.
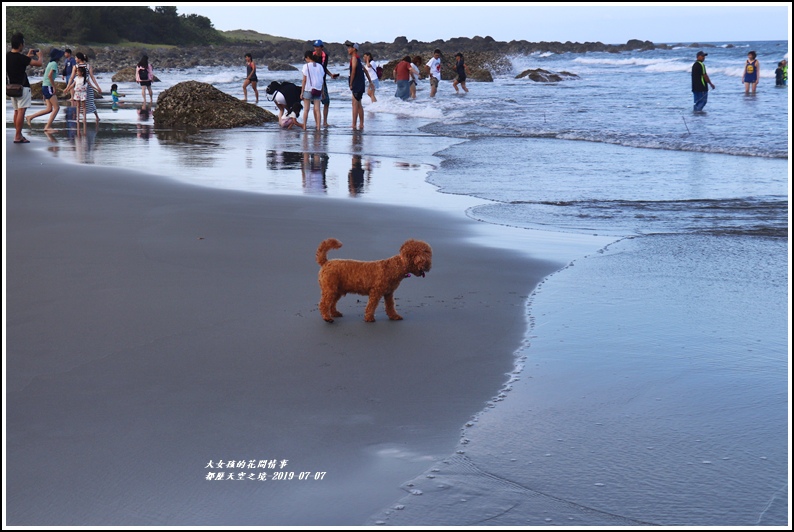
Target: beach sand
(156,328)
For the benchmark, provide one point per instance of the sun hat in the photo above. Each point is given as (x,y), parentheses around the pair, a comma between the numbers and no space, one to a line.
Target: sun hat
(318,42)
(56,54)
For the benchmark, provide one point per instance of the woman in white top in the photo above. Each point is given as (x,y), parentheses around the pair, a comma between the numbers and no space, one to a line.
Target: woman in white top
(312,87)
(371,67)
(417,60)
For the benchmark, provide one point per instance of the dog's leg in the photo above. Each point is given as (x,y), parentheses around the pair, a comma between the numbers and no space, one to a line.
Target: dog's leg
(335,313)
(388,300)
(372,304)
(326,303)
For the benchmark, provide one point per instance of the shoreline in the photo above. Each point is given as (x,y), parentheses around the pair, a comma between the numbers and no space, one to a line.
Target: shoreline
(152,294)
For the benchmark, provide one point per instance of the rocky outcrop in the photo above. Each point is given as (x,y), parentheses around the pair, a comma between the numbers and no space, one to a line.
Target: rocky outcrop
(110,59)
(193,105)
(544,76)
(127,75)
(481,66)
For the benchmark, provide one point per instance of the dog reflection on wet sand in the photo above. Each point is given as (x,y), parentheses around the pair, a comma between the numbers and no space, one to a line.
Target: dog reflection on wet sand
(376,279)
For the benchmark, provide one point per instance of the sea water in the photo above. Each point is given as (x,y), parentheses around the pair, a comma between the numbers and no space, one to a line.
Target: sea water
(652,386)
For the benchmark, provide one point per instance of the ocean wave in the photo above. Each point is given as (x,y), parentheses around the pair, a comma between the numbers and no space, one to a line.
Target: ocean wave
(415,109)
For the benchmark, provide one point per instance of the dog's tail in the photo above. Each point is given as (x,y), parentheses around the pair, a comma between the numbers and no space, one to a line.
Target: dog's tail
(325,246)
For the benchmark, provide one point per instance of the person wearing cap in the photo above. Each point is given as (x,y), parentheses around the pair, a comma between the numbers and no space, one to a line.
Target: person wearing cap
(357,83)
(700,81)
(434,66)
(48,90)
(319,49)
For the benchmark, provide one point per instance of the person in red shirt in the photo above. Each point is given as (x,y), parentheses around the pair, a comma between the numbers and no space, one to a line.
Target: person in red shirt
(402,74)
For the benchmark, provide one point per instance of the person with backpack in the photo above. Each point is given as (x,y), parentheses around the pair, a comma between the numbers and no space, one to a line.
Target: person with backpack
(375,72)
(144,77)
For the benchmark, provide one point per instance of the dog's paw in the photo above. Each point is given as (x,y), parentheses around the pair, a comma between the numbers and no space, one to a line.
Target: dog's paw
(329,320)
(369,318)
(395,317)
(337,314)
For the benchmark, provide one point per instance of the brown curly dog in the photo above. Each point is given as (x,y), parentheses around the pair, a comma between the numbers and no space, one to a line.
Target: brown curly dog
(376,279)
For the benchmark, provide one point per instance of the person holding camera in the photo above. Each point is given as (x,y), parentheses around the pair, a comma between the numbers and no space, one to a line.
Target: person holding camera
(16,74)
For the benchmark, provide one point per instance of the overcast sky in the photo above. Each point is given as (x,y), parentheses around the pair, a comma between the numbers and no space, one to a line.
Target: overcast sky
(427,21)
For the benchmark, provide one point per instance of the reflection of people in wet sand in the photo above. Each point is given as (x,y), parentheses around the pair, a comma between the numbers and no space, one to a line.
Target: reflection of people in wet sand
(355,177)
(144,129)
(313,170)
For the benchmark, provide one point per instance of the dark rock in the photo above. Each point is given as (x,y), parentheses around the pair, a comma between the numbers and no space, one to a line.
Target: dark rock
(196,105)
(35,91)
(544,76)
(279,66)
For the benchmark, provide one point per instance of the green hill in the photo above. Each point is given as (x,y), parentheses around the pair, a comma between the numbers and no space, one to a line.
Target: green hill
(251,36)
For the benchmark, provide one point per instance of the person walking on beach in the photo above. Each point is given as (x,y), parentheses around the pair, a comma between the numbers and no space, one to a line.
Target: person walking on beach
(69,64)
(319,49)
(357,83)
(144,76)
(402,75)
(16,73)
(415,73)
(700,82)
(48,90)
(312,87)
(434,67)
(461,70)
(250,78)
(371,67)
(90,105)
(752,73)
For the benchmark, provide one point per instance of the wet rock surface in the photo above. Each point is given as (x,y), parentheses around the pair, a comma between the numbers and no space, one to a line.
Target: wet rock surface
(194,105)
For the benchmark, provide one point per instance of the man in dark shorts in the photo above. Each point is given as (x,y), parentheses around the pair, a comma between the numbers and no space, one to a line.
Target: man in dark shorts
(460,70)
(325,100)
(357,83)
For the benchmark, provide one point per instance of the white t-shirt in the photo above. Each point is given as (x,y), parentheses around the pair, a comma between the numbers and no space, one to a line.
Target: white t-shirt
(435,67)
(415,72)
(373,73)
(314,76)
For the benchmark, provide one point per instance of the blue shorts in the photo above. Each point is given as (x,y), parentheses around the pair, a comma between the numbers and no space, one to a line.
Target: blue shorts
(47,92)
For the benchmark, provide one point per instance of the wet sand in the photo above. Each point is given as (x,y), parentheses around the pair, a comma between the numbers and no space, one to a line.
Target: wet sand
(155,329)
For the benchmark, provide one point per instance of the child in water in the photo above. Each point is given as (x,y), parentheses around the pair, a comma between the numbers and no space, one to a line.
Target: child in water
(114,93)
